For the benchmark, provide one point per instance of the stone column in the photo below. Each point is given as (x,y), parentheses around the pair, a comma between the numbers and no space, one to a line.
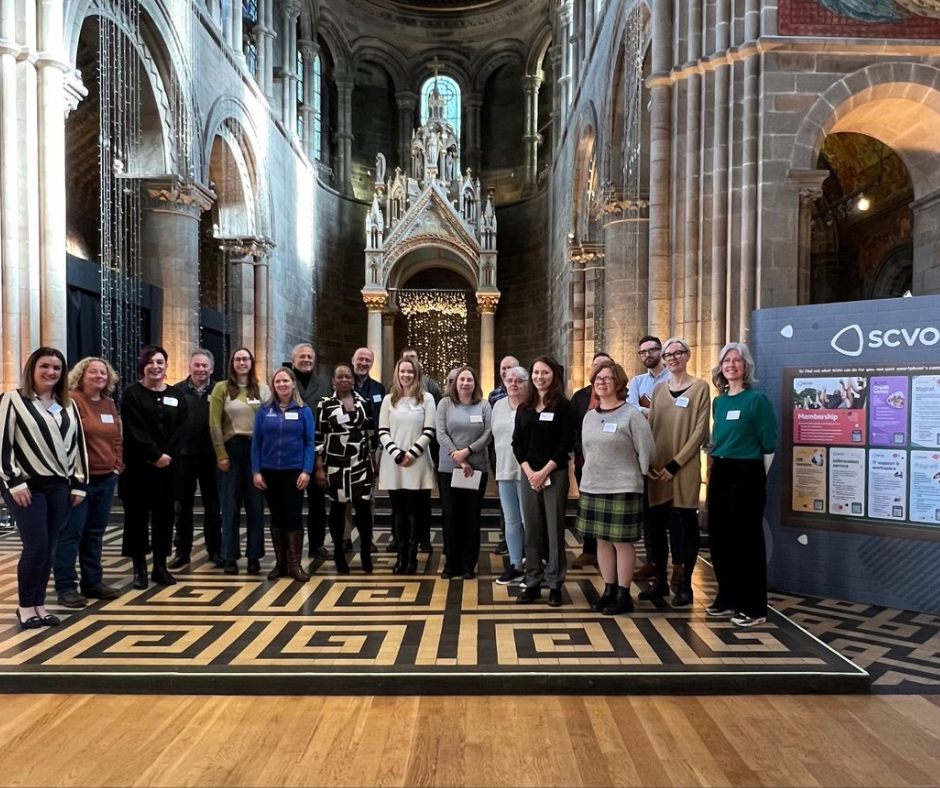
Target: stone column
(9,197)
(926,274)
(264,36)
(555,57)
(406,101)
(486,303)
(565,86)
(240,296)
(809,184)
(237,43)
(309,50)
(262,329)
(290,10)
(473,105)
(749,165)
(375,302)
(387,363)
(52,64)
(344,135)
(171,208)
(660,85)
(691,270)
(532,138)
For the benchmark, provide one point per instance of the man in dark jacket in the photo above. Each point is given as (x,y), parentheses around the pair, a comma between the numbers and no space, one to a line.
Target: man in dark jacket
(197,463)
(312,389)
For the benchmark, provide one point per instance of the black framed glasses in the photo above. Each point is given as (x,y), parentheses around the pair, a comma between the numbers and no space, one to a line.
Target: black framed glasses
(674,354)
(649,352)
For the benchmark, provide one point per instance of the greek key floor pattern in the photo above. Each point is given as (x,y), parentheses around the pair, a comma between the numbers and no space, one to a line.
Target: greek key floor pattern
(388,634)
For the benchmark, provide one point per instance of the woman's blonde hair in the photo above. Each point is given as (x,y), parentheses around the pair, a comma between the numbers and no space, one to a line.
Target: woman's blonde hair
(396,391)
(77,374)
(298,400)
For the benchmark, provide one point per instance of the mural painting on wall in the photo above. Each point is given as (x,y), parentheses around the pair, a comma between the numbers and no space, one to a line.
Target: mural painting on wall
(863,18)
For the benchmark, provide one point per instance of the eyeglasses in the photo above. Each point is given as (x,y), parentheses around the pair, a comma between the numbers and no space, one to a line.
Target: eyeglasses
(605,379)
(675,354)
(242,359)
(649,352)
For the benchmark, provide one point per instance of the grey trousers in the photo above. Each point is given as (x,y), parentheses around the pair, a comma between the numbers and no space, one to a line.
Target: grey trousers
(544,515)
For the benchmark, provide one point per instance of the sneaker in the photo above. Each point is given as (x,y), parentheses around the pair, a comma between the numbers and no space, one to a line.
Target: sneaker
(743,620)
(583,560)
(717,611)
(509,575)
(502,548)
(645,572)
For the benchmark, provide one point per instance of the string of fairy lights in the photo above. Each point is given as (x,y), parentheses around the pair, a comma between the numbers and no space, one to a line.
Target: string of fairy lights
(437,328)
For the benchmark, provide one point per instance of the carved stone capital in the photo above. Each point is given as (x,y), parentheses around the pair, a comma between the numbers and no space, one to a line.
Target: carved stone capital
(246,249)
(175,194)
(585,253)
(74,90)
(375,302)
(486,303)
(309,49)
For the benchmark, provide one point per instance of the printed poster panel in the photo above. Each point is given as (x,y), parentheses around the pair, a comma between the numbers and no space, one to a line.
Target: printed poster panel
(829,411)
(887,484)
(847,482)
(888,410)
(925,411)
(809,479)
(925,487)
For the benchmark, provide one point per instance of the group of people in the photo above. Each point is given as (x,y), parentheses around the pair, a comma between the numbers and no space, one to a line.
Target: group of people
(65,449)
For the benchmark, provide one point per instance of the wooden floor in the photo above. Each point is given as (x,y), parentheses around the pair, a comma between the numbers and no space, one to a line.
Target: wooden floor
(117,740)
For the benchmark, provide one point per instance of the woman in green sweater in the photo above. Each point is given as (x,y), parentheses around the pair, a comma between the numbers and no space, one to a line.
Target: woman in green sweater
(744,440)
(232,408)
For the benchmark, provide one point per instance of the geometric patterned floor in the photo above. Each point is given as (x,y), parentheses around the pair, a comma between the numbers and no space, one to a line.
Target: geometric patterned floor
(386,634)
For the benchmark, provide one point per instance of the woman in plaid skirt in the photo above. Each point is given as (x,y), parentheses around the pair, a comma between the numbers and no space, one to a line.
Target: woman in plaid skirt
(617,444)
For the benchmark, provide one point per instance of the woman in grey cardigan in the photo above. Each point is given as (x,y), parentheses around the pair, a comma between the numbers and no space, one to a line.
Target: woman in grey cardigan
(463,431)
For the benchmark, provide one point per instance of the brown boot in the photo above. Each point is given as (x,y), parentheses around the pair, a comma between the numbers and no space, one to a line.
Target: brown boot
(280,554)
(295,550)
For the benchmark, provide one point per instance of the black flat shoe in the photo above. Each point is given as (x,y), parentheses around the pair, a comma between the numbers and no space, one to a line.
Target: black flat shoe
(659,591)
(529,595)
(554,597)
(50,620)
(254,566)
(33,622)
(231,568)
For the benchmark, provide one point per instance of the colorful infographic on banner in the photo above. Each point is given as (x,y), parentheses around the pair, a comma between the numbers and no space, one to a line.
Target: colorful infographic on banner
(865,445)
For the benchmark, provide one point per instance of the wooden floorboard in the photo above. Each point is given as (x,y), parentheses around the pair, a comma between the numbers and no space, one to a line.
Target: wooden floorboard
(263,742)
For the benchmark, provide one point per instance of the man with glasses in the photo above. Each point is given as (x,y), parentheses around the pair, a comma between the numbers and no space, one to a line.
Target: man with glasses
(640,395)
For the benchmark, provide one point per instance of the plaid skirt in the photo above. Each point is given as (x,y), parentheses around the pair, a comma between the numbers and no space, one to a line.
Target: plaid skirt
(613,517)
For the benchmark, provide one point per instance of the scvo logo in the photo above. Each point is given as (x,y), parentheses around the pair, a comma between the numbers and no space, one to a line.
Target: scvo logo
(851,340)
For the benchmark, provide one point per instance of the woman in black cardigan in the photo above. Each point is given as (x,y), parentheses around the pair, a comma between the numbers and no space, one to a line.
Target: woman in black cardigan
(154,416)
(541,441)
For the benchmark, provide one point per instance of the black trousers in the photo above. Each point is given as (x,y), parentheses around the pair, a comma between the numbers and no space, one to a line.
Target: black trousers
(737,493)
(461,524)
(149,502)
(409,508)
(190,470)
(362,518)
(316,515)
(285,501)
(682,526)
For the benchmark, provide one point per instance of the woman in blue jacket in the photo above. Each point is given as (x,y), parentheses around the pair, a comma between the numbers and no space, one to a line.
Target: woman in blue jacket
(282,455)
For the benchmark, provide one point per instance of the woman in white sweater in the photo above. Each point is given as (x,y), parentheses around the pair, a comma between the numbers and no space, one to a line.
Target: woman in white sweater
(406,429)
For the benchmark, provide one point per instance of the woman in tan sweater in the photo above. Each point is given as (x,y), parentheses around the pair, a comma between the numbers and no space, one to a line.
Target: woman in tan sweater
(679,420)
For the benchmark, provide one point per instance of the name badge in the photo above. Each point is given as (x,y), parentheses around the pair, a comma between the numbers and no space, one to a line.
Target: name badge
(291,415)
(254,402)
(546,416)
(682,402)
(342,418)
(476,418)
(733,415)
(55,408)
(376,397)
(610,426)
(171,402)
(107,418)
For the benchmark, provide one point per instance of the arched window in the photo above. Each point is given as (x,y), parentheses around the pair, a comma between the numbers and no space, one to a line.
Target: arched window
(450,92)
(299,93)
(317,107)
(249,44)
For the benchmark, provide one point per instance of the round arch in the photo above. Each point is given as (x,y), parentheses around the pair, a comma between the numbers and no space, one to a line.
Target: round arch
(422,253)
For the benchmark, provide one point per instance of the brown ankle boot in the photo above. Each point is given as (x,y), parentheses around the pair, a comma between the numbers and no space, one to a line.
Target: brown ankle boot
(280,554)
(295,550)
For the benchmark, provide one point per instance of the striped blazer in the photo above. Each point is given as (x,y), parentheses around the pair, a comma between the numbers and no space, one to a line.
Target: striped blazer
(36,443)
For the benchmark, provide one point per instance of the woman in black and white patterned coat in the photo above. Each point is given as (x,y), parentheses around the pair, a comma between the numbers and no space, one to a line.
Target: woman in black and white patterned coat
(345,438)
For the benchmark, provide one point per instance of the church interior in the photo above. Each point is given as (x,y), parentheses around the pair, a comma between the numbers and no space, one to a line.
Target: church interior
(475,179)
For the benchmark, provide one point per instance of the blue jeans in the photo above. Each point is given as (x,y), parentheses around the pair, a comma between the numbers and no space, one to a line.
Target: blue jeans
(39,525)
(236,489)
(510,499)
(81,537)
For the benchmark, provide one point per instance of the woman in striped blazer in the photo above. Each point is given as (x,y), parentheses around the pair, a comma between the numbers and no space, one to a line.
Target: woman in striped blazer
(43,470)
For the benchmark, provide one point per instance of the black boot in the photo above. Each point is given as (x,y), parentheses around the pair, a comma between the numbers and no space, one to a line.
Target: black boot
(339,549)
(400,537)
(160,575)
(610,591)
(621,603)
(411,568)
(140,573)
(364,526)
